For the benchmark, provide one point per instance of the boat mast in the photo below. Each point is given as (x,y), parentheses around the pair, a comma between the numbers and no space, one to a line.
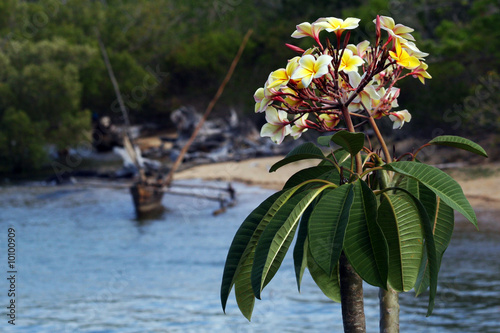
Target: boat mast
(128,141)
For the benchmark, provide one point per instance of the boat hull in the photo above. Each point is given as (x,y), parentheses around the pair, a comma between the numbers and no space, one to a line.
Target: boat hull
(147,198)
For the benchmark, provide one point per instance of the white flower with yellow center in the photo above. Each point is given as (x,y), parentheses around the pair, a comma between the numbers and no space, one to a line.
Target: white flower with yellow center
(350,62)
(333,24)
(277,126)
(311,68)
(399,118)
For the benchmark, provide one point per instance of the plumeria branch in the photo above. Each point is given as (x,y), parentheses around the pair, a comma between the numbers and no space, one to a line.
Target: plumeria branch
(330,83)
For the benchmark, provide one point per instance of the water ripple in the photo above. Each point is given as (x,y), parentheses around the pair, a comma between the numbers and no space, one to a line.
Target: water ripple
(87,265)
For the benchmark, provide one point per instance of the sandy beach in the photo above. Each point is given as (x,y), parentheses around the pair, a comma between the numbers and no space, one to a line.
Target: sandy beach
(483,192)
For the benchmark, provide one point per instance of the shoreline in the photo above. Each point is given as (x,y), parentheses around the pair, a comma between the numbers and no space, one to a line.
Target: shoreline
(483,192)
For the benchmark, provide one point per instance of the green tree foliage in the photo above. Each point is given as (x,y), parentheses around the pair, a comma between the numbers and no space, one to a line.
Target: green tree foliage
(21,144)
(43,80)
(463,42)
(471,46)
(194,41)
(394,234)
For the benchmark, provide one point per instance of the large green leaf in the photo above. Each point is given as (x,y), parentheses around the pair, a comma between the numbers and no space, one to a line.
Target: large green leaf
(429,253)
(247,236)
(243,288)
(409,184)
(303,152)
(301,245)
(351,142)
(327,226)
(425,202)
(277,237)
(242,275)
(459,142)
(317,172)
(442,220)
(328,283)
(341,157)
(240,242)
(364,243)
(324,140)
(300,266)
(439,182)
(400,222)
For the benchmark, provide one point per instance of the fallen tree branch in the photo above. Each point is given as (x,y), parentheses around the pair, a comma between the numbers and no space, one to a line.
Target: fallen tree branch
(210,106)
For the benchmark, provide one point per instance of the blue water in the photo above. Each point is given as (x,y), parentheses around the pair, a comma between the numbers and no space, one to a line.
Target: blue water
(86,264)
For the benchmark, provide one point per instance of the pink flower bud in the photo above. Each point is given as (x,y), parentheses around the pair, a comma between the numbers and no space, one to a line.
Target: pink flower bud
(295,48)
(377,29)
(278,99)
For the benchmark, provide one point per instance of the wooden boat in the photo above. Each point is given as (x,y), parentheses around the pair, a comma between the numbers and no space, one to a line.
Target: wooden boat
(147,192)
(147,197)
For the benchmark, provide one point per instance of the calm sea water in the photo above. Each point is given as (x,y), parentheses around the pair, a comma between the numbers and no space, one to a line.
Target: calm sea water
(85,264)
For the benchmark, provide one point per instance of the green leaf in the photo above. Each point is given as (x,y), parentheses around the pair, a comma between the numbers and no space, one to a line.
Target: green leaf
(351,142)
(243,288)
(459,142)
(342,157)
(277,237)
(328,283)
(430,252)
(317,172)
(241,253)
(327,226)
(242,277)
(303,152)
(400,222)
(325,140)
(300,266)
(412,186)
(438,182)
(442,220)
(301,246)
(239,244)
(364,243)
(425,202)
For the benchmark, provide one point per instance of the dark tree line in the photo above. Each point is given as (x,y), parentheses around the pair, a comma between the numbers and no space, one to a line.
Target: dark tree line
(168,53)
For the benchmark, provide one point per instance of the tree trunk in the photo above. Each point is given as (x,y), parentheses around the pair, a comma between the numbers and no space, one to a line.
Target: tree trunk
(351,294)
(389,311)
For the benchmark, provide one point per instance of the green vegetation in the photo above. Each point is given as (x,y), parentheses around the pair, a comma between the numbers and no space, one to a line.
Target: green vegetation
(391,227)
(167,53)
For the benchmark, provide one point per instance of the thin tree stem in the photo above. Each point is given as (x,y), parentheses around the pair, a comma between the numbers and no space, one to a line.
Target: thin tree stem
(380,139)
(388,299)
(351,284)
(350,127)
(351,294)
(389,311)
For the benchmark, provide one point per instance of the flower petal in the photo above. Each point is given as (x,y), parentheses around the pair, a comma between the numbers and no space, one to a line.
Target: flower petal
(306,81)
(350,23)
(258,95)
(399,118)
(269,130)
(278,78)
(303,30)
(300,72)
(323,60)
(272,116)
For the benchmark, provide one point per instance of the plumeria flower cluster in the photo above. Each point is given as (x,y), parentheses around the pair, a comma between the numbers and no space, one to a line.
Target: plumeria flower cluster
(327,83)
